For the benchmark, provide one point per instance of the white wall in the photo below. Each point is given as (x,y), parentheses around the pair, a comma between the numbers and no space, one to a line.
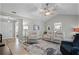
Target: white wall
(7,30)
(68,22)
(78,20)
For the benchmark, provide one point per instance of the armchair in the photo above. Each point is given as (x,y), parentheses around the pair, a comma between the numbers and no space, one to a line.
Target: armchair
(47,36)
(70,48)
(32,38)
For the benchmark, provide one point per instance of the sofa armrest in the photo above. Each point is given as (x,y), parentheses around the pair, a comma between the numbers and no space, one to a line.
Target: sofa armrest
(66,42)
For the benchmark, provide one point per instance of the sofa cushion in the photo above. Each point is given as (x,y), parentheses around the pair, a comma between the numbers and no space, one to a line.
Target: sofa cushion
(67,48)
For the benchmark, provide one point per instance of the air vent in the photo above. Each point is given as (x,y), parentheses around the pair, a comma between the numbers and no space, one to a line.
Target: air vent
(13,12)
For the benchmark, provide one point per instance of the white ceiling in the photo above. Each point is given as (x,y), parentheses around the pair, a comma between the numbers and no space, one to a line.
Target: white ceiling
(31,10)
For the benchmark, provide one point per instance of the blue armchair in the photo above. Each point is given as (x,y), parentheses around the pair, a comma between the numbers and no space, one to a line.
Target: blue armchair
(70,48)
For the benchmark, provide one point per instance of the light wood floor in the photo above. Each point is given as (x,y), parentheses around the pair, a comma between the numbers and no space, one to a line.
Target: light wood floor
(15,46)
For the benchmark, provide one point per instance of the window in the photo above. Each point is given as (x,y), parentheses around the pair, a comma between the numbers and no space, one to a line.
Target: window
(25,30)
(35,27)
(57,26)
(25,27)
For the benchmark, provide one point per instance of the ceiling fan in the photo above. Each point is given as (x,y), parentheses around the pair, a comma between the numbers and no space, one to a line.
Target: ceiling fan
(48,9)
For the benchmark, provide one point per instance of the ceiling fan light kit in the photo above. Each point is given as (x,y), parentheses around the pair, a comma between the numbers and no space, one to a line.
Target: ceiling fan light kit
(48,10)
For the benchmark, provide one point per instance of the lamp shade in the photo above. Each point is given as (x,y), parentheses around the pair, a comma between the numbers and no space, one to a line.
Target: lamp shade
(76,29)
